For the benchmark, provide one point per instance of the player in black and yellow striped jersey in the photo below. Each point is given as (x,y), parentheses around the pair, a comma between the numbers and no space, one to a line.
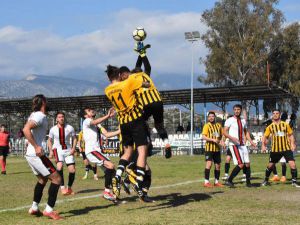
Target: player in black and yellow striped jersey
(212,133)
(132,124)
(283,145)
(150,98)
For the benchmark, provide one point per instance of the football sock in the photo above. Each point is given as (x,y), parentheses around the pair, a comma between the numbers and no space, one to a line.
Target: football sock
(244,169)
(217,175)
(206,174)
(121,167)
(52,192)
(294,175)
(109,173)
(248,173)
(227,166)
(94,168)
(275,170)
(87,168)
(147,179)
(3,165)
(61,173)
(234,172)
(35,206)
(38,192)
(268,172)
(48,209)
(283,169)
(140,172)
(71,179)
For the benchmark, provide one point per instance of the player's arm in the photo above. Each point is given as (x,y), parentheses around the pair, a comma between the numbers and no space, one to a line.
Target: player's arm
(28,135)
(9,144)
(265,139)
(109,134)
(226,134)
(74,143)
(50,146)
(248,137)
(111,113)
(79,140)
(291,137)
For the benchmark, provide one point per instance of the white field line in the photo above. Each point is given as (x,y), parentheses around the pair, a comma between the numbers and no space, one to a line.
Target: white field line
(100,195)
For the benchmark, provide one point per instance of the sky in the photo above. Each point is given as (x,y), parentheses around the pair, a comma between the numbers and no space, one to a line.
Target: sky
(80,37)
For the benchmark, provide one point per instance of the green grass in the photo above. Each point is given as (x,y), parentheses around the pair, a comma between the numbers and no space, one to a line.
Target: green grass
(187,203)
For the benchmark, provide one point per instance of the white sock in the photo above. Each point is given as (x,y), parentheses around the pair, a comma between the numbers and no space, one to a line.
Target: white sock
(226,175)
(107,190)
(206,181)
(48,209)
(86,173)
(216,181)
(62,187)
(35,206)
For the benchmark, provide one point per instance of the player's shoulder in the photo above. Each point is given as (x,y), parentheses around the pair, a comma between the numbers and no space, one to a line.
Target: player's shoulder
(52,129)
(37,116)
(229,120)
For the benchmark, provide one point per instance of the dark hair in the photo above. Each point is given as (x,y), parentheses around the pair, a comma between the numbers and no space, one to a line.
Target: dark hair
(3,125)
(137,70)
(83,111)
(275,110)
(284,116)
(112,72)
(211,112)
(124,69)
(238,106)
(60,112)
(37,102)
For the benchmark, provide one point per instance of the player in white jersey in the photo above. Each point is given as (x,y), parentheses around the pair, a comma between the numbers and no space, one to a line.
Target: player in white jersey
(35,132)
(92,135)
(59,145)
(235,129)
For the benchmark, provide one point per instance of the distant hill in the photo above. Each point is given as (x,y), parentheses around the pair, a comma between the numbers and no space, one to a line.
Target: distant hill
(50,86)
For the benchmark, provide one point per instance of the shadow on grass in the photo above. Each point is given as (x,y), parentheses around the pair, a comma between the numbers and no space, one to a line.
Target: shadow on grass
(89,191)
(18,173)
(86,210)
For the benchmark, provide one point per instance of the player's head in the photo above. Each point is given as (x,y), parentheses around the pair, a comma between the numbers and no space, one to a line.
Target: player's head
(276,115)
(237,110)
(211,116)
(124,72)
(113,73)
(2,127)
(88,113)
(60,118)
(39,103)
(137,70)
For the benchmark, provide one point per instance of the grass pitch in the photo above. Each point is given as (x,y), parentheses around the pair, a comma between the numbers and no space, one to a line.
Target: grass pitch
(177,188)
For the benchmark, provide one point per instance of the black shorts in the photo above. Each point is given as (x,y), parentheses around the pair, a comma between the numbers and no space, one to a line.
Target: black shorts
(213,156)
(4,150)
(228,152)
(134,132)
(155,109)
(83,155)
(276,156)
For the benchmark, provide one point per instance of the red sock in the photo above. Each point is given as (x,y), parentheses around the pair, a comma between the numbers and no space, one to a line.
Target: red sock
(3,165)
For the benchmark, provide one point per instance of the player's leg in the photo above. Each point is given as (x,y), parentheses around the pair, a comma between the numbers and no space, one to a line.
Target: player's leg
(246,160)
(283,169)
(217,162)
(70,162)
(289,157)
(87,166)
(208,159)
(227,164)
(238,162)
(275,177)
(37,195)
(60,171)
(274,158)
(109,175)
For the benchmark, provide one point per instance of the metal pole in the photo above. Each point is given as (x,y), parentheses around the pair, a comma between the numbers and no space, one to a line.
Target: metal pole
(192,100)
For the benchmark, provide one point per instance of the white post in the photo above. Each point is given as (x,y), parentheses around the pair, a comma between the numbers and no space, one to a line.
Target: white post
(192,101)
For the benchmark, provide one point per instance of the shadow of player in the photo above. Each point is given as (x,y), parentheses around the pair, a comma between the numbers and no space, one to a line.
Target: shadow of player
(86,210)
(89,191)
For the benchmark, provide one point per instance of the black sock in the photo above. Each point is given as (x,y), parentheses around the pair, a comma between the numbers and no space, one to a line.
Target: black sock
(87,168)
(275,170)
(52,192)
(121,167)
(71,179)
(234,172)
(109,173)
(244,169)
(38,192)
(131,166)
(227,166)
(94,168)
(268,172)
(248,173)
(206,174)
(283,169)
(294,175)
(140,172)
(147,180)
(217,174)
(61,173)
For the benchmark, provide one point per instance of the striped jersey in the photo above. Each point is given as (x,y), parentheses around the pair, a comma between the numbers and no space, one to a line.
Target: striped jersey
(212,130)
(61,136)
(236,129)
(122,96)
(279,133)
(147,95)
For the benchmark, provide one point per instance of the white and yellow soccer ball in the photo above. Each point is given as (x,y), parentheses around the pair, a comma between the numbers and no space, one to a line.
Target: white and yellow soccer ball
(139,34)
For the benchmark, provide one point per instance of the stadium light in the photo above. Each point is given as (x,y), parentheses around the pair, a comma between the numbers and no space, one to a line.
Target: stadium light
(192,37)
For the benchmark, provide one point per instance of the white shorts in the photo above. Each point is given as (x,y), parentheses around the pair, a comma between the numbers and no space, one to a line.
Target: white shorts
(63,156)
(240,154)
(40,165)
(97,157)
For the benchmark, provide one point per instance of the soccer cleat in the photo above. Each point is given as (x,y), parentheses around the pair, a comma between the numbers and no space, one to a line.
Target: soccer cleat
(69,191)
(229,184)
(85,177)
(218,185)
(63,191)
(34,212)
(275,179)
(265,183)
(147,199)
(3,172)
(52,215)
(96,177)
(294,184)
(283,179)
(207,185)
(248,183)
(116,185)
(109,196)
(126,185)
(168,151)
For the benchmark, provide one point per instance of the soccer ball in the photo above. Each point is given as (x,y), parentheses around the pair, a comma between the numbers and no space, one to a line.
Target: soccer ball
(139,34)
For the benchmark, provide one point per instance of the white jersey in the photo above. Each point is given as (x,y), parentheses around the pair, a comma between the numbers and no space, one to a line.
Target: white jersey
(62,136)
(91,136)
(236,129)
(39,132)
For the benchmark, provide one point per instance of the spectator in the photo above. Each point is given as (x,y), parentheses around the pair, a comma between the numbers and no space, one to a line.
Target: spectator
(179,128)
(5,146)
